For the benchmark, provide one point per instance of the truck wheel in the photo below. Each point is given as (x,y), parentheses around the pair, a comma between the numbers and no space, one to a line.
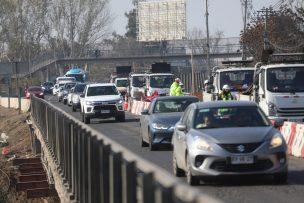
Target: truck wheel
(64,102)
(120,118)
(73,108)
(82,116)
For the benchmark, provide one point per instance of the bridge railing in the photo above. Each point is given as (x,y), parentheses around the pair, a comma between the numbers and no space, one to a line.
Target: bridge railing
(97,169)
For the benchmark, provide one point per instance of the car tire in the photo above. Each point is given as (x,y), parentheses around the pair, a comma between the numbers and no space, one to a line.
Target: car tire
(151,145)
(82,116)
(191,180)
(280,178)
(142,142)
(73,109)
(120,118)
(87,119)
(64,102)
(178,172)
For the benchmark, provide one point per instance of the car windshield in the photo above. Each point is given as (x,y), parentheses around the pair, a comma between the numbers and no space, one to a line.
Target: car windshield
(223,117)
(138,81)
(122,83)
(286,79)
(172,105)
(236,79)
(79,88)
(78,77)
(68,86)
(161,81)
(102,90)
(34,89)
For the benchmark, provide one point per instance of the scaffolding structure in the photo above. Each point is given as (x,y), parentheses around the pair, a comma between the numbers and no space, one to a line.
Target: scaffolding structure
(161,20)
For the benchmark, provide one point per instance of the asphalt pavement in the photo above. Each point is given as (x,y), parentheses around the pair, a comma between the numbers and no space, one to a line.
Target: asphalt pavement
(240,189)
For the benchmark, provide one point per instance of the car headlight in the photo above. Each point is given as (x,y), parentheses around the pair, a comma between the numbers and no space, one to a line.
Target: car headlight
(276,141)
(272,109)
(89,103)
(41,93)
(119,101)
(160,126)
(203,145)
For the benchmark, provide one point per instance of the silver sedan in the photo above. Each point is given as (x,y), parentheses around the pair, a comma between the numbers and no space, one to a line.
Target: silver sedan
(228,138)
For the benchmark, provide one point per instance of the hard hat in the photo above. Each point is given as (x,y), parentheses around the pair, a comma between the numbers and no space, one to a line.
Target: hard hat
(206,82)
(177,79)
(226,87)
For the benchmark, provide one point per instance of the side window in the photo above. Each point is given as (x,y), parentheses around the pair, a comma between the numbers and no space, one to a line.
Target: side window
(189,119)
(185,115)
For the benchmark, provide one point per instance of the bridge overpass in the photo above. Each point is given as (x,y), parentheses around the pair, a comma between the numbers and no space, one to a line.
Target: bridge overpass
(58,66)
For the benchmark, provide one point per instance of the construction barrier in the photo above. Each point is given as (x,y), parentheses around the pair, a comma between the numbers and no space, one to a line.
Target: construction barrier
(294,136)
(138,106)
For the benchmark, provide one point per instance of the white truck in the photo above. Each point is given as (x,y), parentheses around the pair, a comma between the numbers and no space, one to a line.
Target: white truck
(60,82)
(160,82)
(237,77)
(137,83)
(279,90)
(101,100)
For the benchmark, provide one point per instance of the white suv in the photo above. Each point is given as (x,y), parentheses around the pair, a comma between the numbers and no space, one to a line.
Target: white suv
(101,100)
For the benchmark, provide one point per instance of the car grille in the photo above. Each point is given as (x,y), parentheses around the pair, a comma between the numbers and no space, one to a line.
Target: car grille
(105,107)
(224,166)
(240,148)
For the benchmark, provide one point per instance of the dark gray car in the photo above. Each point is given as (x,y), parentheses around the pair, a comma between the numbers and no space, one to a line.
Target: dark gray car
(157,123)
(228,138)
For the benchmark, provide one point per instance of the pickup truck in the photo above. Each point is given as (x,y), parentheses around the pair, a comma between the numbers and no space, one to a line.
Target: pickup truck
(101,100)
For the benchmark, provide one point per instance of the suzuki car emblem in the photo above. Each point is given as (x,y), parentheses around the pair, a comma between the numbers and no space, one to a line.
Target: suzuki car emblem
(241,148)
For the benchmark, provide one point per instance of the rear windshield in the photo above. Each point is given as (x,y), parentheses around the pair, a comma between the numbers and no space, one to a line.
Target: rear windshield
(34,89)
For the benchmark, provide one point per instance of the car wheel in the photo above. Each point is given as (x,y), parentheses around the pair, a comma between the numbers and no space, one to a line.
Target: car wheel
(178,172)
(64,102)
(143,143)
(280,178)
(191,180)
(87,120)
(120,118)
(82,116)
(73,108)
(151,145)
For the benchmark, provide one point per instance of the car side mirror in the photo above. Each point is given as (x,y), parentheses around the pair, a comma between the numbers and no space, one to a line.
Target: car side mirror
(278,122)
(145,112)
(181,127)
(81,95)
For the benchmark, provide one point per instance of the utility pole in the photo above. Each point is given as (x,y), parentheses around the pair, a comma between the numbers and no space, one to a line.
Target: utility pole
(266,13)
(208,45)
(71,29)
(245,3)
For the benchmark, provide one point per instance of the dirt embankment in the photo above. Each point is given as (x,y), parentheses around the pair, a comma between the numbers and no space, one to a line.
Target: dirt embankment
(19,146)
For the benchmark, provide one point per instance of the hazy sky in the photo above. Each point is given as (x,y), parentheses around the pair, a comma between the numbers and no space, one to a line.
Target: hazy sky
(224,15)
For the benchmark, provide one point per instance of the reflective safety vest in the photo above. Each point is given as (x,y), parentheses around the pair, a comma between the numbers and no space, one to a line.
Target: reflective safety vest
(227,96)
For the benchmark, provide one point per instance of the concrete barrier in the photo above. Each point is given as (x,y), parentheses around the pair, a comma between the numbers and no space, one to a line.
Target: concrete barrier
(25,103)
(138,106)
(294,136)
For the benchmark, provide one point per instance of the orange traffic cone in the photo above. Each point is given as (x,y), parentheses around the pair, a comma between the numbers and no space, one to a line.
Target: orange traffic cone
(126,103)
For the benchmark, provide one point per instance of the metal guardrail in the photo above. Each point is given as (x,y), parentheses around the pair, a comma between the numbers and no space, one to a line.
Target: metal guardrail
(97,169)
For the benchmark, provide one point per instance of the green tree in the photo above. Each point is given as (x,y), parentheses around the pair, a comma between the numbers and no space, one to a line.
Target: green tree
(131,26)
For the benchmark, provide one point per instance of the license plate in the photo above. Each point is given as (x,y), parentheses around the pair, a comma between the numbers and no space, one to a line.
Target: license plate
(242,160)
(105,111)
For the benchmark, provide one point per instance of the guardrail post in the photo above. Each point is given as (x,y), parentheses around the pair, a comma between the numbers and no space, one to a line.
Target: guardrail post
(164,195)
(95,167)
(19,100)
(148,190)
(115,178)
(104,155)
(84,165)
(88,164)
(129,186)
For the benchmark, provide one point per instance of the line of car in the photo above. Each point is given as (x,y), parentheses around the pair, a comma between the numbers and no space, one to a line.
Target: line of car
(215,139)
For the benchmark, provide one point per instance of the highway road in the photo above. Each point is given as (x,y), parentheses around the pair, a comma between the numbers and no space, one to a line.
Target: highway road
(235,190)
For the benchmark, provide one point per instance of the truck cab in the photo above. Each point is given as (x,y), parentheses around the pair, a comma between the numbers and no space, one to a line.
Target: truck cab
(137,84)
(279,91)
(160,82)
(238,78)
